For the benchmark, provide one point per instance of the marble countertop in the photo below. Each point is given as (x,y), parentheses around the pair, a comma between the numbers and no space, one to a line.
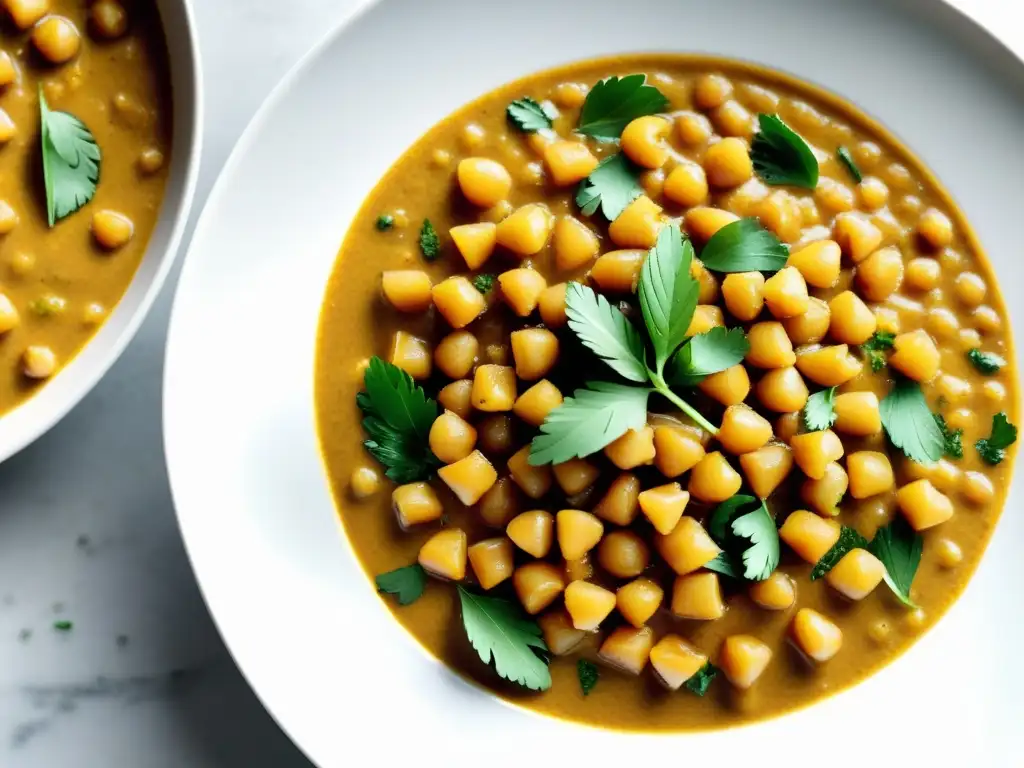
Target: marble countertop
(87,530)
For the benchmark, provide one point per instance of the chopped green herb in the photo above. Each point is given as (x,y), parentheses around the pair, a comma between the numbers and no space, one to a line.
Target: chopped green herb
(819,411)
(430,244)
(747,537)
(606,331)
(407,584)
(1004,434)
(385,222)
(781,156)
(668,294)
(614,102)
(611,186)
(899,548)
(529,116)
(910,424)
(484,283)
(702,679)
(847,159)
(875,348)
(953,438)
(986,362)
(723,564)
(848,539)
(71,162)
(588,674)
(63,625)
(499,631)
(744,246)
(707,353)
(397,417)
(48,306)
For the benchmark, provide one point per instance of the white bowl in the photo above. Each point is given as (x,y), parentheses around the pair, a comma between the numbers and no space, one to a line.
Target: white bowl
(53,401)
(295,608)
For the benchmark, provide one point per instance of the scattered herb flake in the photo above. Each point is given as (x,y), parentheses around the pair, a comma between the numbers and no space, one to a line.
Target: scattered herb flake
(847,159)
(875,348)
(528,115)
(611,186)
(588,674)
(385,222)
(430,244)
(899,548)
(702,679)
(953,438)
(819,411)
(484,283)
(407,584)
(744,246)
(986,362)
(614,102)
(1004,434)
(848,539)
(781,156)
(910,424)
(63,625)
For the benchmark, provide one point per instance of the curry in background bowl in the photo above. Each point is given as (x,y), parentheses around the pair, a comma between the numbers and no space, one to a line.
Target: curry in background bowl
(665,392)
(85,138)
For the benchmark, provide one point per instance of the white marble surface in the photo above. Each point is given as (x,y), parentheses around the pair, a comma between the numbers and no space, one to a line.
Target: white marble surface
(87,532)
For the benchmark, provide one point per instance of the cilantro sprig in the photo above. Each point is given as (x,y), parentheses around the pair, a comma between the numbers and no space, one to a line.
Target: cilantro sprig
(819,411)
(701,680)
(484,282)
(985,362)
(430,243)
(588,674)
(749,538)
(910,424)
(781,156)
(71,162)
(952,438)
(406,584)
(992,449)
(874,349)
(614,102)
(530,116)
(611,186)
(744,246)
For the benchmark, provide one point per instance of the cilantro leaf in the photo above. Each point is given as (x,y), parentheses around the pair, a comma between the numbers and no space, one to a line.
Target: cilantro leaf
(588,674)
(780,156)
(819,411)
(953,438)
(719,523)
(702,679)
(588,421)
(707,353)
(1004,434)
(847,159)
(848,539)
(723,564)
(606,331)
(614,102)
(668,292)
(430,243)
(385,222)
(71,162)
(407,583)
(744,246)
(397,416)
(875,347)
(529,116)
(986,362)
(910,424)
(612,185)
(484,283)
(750,537)
(499,631)
(899,548)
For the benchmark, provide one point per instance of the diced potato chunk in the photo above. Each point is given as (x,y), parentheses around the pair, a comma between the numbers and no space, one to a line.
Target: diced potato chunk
(451,437)
(857,413)
(770,346)
(852,322)
(818,638)
(767,467)
(444,554)
(915,355)
(714,479)
(923,505)
(824,494)
(743,293)
(621,502)
(483,181)
(588,604)
(634,448)
(813,451)
(828,366)
(525,231)
(675,661)
(475,242)
(500,504)
(819,262)
(534,405)
(491,560)
(627,649)
(623,554)
(411,354)
(809,535)
(469,478)
(856,574)
(687,547)
(578,532)
(408,290)
(675,450)
(575,475)
(705,317)
(568,162)
(776,593)
(551,305)
(457,397)
(521,288)
(538,585)
(742,659)
(575,244)
(881,274)
(415,503)
(535,351)
(638,224)
(533,532)
(643,141)
(639,600)
(534,481)
(785,293)
(702,223)
(698,596)
(456,354)
(495,434)
(782,390)
(870,473)
(728,387)
(458,301)
(856,235)
(664,505)
(743,429)
(494,388)
(618,271)
(560,636)
(811,326)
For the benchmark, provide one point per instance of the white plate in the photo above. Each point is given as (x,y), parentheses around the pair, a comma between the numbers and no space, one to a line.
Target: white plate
(339,674)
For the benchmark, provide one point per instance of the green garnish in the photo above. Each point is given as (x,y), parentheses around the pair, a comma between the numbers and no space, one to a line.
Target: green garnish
(385,222)
(847,159)
(484,283)
(707,353)
(606,331)
(985,362)
(430,244)
(397,416)
(780,156)
(724,565)
(910,424)
(748,537)
(612,185)
(744,246)
(614,102)
(63,626)
(819,411)
(529,116)
(497,629)
(875,348)
(588,674)
(48,306)
(702,679)
(953,438)
(899,548)
(71,162)
(1004,434)
(407,584)
(848,539)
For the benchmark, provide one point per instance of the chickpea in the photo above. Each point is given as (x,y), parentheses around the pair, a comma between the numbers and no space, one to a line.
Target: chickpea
(575,475)
(151,160)
(727,163)
(987,319)
(618,271)
(491,561)
(728,387)
(455,397)
(705,317)
(948,553)
(9,317)
(551,305)
(568,162)
(676,450)
(915,355)
(456,354)
(977,488)
(526,230)
(711,91)
(534,405)
(575,244)
(638,600)
(475,242)
(415,504)
(57,39)
(627,649)
(743,430)
(643,141)
(923,505)
(785,293)
(535,351)
(533,481)
(811,326)
(970,288)
(857,413)
(107,19)
(870,473)
(703,222)
(533,532)
(458,301)
(8,129)
(808,535)
(588,604)
(470,477)
(824,494)
(851,320)
(499,504)
(663,506)
(816,636)
(473,135)
(364,482)
(537,585)
(857,236)
(653,182)
(819,263)
(782,390)
(693,128)
(743,293)
(776,593)
(570,95)
(942,323)
(8,218)
(638,224)
(451,437)
(494,388)
(634,448)
(828,366)
(935,228)
(560,636)
(814,451)
(780,213)
(770,347)
(713,479)
(922,273)
(834,195)
(623,554)
(483,182)
(733,119)
(620,504)
(880,275)
(743,659)
(687,185)
(787,425)
(873,193)
(766,468)
(577,532)
(411,354)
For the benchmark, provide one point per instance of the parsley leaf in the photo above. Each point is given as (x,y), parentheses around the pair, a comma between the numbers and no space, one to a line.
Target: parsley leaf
(985,362)
(848,539)
(385,222)
(588,674)
(953,439)
(1004,434)
(780,156)
(588,421)
(847,159)
(899,548)
(612,185)
(484,283)
(702,679)
(397,416)
(723,564)
(430,244)
(497,629)
(750,537)
(614,102)
(910,424)
(707,353)
(71,162)
(819,411)
(606,331)
(529,116)
(720,521)
(744,246)
(668,292)
(875,347)
(407,583)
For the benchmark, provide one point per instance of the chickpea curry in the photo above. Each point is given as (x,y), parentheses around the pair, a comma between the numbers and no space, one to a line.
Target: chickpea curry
(84,136)
(686,394)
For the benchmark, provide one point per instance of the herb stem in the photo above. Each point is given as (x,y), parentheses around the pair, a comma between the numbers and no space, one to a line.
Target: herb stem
(659,384)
